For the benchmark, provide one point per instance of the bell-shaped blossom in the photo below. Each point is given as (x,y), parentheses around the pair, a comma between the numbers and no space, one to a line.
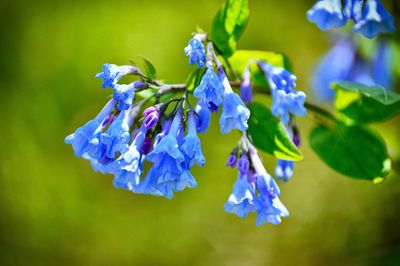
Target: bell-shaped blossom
(86,138)
(168,164)
(191,146)
(327,14)
(203,117)
(112,74)
(278,77)
(196,51)
(234,112)
(375,20)
(128,168)
(210,90)
(284,169)
(353,9)
(246,92)
(268,205)
(117,136)
(243,197)
(382,65)
(288,102)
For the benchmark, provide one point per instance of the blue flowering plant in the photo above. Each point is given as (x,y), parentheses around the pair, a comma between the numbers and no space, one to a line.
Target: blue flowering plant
(146,136)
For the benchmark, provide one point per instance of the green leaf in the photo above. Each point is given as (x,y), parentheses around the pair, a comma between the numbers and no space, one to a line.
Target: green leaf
(194,78)
(377,93)
(228,25)
(240,58)
(269,134)
(365,104)
(353,151)
(149,69)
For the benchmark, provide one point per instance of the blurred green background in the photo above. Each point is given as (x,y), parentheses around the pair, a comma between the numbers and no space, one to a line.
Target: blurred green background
(56,211)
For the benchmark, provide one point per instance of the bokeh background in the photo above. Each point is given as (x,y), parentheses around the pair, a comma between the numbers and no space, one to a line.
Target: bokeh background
(56,211)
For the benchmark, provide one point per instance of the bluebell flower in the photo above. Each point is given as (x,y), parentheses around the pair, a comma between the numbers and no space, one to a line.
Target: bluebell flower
(353,9)
(242,199)
(191,146)
(327,14)
(234,113)
(168,164)
(375,20)
(335,65)
(288,102)
(203,117)
(117,136)
(210,90)
(284,169)
(112,74)
(268,205)
(246,92)
(278,77)
(382,66)
(86,138)
(128,168)
(195,51)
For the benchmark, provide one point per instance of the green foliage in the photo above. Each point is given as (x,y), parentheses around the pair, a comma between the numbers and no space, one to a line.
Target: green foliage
(194,78)
(228,25)
(354,151)
(240,59)
(150,70)
(366,104)
(269,134)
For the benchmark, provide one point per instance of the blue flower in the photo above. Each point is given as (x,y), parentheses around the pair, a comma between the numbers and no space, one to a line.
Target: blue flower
(85,140)
(112,74)
(286,102)
(117,137)
(278,77)
(210,90)
(327,14)
(335,65)
(382,66)
(268,206)
(203,117)
(234,113)
(375,19)
(232,159)
(353,9)
(129,166)
(241,201)
(191,146)
(195,51)
(284,169)
(168,169)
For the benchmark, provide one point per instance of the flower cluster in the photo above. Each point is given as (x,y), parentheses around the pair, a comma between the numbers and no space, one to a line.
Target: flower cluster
(129,136)
(255,190)
(345,62)
(369,16)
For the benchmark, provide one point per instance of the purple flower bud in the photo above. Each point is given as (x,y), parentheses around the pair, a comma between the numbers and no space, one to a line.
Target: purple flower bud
(296,139)
(243,164)
(152,115)
(245,88)
(232,160)
(147,145)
